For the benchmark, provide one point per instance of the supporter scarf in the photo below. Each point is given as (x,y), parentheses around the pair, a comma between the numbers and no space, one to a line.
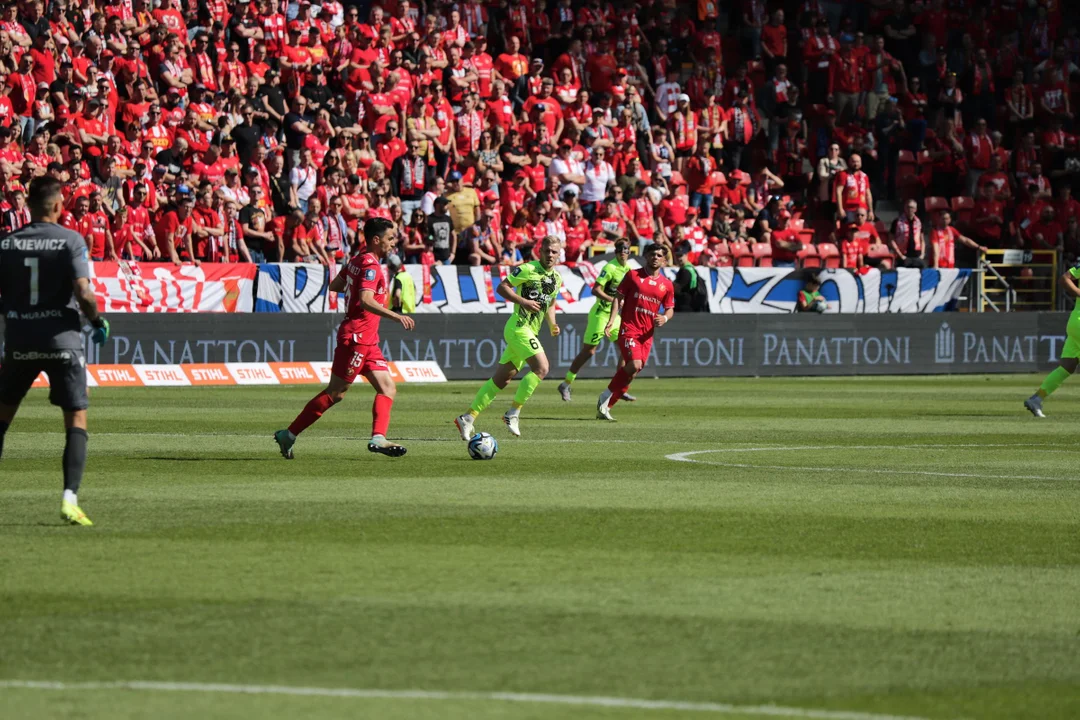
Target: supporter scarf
(742,125)
(911,235)
(412,175)
(336,231)
(685,129)
(473,17)
(1020,98)
(855,186)
(981,74)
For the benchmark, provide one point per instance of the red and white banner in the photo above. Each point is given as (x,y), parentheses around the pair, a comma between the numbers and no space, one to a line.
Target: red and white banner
(167,288)
(273,373)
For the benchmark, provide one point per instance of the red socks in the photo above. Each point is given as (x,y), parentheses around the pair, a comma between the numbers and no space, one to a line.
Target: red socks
(618,386)
(380,414)
(311,412)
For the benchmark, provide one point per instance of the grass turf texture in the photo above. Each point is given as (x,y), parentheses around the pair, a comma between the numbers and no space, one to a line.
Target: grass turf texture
(580,567)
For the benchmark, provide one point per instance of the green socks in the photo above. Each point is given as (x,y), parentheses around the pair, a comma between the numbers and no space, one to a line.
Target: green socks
(1053,381)
(525,389)
(488,391)
(484,396)
(570,378)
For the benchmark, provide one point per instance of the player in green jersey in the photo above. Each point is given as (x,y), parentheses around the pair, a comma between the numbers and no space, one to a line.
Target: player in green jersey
(532,288)
(604,290)
(1070,353)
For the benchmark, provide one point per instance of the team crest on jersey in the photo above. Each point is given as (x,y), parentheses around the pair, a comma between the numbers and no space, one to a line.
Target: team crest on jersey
(369,274)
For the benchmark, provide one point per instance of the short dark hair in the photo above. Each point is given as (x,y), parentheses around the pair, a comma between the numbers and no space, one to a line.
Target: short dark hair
(44,192)
(654,247)
(376,227)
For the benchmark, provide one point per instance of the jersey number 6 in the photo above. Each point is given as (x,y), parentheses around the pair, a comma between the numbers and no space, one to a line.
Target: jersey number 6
(534,344)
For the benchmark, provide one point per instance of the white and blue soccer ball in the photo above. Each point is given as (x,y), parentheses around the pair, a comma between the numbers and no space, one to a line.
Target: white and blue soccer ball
(483,446)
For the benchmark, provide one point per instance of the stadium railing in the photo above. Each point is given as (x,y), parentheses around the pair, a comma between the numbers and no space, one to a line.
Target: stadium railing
(1019,280)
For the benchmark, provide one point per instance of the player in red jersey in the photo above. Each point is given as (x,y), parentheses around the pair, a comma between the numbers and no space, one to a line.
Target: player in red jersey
(638,300)
(357,353)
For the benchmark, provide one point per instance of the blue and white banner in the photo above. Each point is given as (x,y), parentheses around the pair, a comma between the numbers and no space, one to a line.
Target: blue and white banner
(295,288)
(464,290)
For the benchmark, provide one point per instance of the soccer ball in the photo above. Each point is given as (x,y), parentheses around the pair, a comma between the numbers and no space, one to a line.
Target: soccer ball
(819,305)
(483,446)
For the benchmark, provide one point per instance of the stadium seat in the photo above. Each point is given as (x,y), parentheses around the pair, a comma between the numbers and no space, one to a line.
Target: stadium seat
(963,208)
(741,255)
(830,255)
(906,167)
(806,236)
(678,182)
(935,204)
(797,224)
(762,254)
(883,255)
(808,257)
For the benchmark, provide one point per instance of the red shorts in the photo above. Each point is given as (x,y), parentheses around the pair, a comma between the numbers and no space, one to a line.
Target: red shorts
(352,360)
(633,348)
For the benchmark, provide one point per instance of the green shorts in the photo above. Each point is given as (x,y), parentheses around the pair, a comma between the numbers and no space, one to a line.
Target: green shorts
(594,332)
(521,344)
(1072,339)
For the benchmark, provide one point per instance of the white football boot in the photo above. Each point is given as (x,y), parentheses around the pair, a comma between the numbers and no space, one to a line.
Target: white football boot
(511,420)
(464,425)
(603,412)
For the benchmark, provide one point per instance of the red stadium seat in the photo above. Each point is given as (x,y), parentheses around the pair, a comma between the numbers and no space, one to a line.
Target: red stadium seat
(797,224)
(830,255)
(906,167)
(806,236)
(936,204)
(762,254)
(883,255)
(741,254)
(808,257)
(963,208)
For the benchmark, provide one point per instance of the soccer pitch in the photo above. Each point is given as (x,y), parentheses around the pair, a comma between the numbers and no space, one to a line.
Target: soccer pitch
(847,549)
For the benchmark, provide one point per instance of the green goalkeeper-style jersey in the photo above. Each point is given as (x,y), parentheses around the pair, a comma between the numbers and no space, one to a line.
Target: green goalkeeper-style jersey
(533,282)
(1075,272)
(609,280)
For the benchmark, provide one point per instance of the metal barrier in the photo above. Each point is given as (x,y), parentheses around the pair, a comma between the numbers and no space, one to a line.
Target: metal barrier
(1019,280)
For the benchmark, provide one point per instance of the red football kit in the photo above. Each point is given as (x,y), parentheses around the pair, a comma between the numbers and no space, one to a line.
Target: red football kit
(358,336)
(642,297)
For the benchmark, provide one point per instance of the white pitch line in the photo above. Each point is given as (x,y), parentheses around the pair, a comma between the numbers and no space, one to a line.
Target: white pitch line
(687,457)
(528,698)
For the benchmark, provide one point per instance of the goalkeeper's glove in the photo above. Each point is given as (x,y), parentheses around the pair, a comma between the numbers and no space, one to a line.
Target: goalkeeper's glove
(100,333)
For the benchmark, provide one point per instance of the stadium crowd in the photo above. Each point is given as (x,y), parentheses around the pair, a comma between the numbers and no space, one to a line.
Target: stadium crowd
(746,132)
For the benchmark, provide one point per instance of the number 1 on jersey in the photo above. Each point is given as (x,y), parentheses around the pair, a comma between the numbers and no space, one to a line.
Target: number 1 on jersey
(34,265)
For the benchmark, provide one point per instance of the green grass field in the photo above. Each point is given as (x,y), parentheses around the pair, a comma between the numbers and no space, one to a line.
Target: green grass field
(846,548)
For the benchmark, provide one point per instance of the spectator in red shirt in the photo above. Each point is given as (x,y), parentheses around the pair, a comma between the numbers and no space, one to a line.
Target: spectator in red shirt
(1046,232)
(988,217)
(943,238)
(845,82)
(784,241)
(699,179)
(774,41)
